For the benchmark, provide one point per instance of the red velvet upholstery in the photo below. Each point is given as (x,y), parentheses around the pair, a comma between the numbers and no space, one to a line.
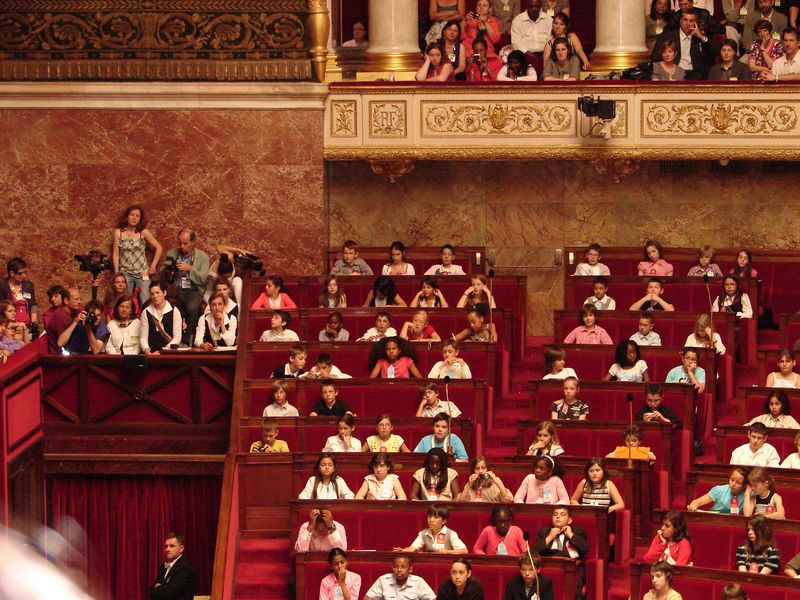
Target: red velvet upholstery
(421,257)
(751,401)
(715,538)
(311,433)
(707,475)
(352,358)
(608,400)
(730,437)
(370,397)
(695,583)
(492,572)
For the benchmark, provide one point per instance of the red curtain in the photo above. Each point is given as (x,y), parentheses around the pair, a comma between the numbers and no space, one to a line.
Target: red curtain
(124,519)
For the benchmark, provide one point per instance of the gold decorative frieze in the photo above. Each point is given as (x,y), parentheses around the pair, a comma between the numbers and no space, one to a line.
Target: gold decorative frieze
(751,119)
(226,40)
(344,119)
(387,119)
(508,118)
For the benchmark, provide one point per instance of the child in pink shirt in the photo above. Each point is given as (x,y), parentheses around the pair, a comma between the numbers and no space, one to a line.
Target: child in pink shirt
(393,358)
(273,296)
(502,536)
(589,332)
(543,487)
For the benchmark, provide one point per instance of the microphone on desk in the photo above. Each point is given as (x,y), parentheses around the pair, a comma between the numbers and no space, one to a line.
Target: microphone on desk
(710,311)
(527,536)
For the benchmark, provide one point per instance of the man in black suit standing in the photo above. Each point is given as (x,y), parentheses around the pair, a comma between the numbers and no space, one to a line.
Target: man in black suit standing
(176,577)
(696,51)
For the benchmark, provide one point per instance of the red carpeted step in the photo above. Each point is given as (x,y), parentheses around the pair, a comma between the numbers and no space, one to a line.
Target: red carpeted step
(256,550)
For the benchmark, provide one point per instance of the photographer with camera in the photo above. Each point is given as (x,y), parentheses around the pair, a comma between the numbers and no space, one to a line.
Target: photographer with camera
(186,268)
(482,67)
(227,267)
(76,329)
(19,291)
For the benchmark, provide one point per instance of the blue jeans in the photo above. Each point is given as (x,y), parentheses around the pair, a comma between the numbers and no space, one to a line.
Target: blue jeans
(143,285)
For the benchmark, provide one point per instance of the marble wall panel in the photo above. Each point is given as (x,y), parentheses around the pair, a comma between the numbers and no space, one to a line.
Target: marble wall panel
(524,211)
(246,177)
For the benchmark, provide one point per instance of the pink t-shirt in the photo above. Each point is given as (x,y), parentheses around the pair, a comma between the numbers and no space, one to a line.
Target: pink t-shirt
(489,540)
(533,491)
(401,367)
(660,267)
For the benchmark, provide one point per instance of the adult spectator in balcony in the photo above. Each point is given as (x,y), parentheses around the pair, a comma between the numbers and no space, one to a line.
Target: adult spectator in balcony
(86,333)
(61,319)
(360,39)
(481,24)
(530,29)
(708,25)
(505,11)
(729,68)
(766,12)
(116,288)
(223,268)
(562,65)
(189,274)
(216,328)
(124,328)
(656,21)
(19,291)
(666,69)
(517,68)
(695,49)
(482,67)
(787,67)
(55,295)
(161,322)
(553,7)
(561,29)
(764,51)
(441,13)
(131,238)
(453,49)
(735,13)
(433,67)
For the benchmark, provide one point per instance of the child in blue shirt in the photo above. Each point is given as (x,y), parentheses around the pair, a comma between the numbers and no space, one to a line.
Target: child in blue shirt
(727,499)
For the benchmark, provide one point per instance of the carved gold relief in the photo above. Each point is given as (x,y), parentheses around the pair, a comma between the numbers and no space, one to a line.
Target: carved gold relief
(392,170)
(344,122)
(76,39)
(387,119)
(616,168)
(513,118)
(720,118)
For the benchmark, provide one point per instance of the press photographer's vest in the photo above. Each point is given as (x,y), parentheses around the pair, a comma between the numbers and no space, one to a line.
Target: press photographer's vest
(156,339)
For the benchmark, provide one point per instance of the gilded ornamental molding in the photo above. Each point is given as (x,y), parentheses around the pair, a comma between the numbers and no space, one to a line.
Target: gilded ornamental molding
(163,40)
(390,121)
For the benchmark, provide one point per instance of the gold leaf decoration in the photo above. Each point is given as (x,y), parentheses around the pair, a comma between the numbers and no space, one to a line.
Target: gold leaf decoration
(507,118)
(721,118)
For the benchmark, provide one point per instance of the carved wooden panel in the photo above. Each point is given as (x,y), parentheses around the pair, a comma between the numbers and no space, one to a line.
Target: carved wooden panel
(212,40)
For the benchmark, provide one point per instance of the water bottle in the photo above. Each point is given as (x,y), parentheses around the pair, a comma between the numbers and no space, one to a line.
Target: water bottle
(390,372)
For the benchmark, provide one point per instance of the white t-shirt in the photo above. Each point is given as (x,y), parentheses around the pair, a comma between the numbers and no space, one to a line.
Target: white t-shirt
(287,335)
(562,374)
(335,444)
(693,342)
(791,462)
(635,373)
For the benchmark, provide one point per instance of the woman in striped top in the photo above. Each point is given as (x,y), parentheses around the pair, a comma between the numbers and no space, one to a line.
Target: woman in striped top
(596,489)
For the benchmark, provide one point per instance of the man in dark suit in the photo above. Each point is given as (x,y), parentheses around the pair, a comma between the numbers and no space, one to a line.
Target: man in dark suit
(176,577)
(564,539)
(696,50)
(707,24)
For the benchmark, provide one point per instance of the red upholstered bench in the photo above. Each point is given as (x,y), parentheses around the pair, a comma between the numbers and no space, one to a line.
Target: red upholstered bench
(704,476)
(371,397)
(730,437)
(493,572)
(751,401)
(352,358)
(696,583)
(311,433)
(673,327)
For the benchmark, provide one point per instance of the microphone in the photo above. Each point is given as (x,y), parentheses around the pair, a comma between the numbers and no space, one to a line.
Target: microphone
(491,299)
(491,273)
(705,277)
(446,379)
(630,397)
(527,536)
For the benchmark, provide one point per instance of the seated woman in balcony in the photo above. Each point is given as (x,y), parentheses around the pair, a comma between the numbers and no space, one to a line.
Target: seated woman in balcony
(562,65)
(441,13)
(481,24)
(123,328)
(360,39)
(561,30)
(656,21)
(433,67)
(667,69)
(764,50)
(517,68)
(453,50)
(482,67)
